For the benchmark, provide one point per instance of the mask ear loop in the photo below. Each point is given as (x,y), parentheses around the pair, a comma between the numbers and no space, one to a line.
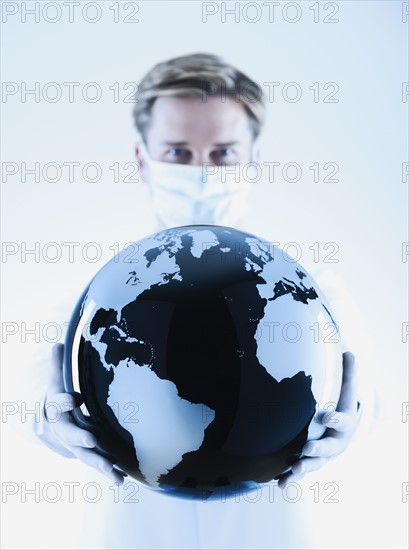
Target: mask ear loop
(140,145)
(143,157)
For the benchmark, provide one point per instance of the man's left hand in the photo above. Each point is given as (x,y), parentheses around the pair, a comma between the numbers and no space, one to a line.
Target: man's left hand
(341,426)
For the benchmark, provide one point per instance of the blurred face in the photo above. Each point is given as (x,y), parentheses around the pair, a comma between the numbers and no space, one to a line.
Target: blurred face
(187,130)
(184,134)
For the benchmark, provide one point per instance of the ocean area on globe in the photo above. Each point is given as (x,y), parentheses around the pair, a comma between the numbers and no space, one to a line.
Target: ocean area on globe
(205,356)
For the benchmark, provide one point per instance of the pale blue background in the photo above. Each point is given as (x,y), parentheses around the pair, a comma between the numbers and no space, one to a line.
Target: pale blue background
(365,213)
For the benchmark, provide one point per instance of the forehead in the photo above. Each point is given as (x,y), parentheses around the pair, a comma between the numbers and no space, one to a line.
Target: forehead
(182,118)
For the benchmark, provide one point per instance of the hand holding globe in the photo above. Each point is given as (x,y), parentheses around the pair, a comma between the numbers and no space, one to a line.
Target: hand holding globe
(187,383)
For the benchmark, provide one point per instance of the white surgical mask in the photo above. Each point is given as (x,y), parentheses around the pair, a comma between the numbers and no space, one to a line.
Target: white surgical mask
(184,194)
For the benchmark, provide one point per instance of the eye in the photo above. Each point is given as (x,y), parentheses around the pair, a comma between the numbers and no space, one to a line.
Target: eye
(178,153)
(224,155)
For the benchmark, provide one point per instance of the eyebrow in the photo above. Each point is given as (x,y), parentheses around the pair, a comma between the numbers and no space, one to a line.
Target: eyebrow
(227,143)
(175,143)
(181,143)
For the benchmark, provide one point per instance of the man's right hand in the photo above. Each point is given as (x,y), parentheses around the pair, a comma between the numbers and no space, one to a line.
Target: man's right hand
(63,435)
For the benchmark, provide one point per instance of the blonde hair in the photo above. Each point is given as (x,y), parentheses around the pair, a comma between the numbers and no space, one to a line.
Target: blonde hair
(197,75)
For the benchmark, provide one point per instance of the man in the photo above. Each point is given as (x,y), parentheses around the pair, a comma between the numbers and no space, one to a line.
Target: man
(198,118)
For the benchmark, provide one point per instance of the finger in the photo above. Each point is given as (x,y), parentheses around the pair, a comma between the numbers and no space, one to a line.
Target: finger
(289,478)
(323,448)
(306,465)
(63,402)
(340,421)
(93,459)
(70,434)
(348,398)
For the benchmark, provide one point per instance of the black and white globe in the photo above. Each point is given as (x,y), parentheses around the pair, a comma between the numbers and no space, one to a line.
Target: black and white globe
(205,357)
